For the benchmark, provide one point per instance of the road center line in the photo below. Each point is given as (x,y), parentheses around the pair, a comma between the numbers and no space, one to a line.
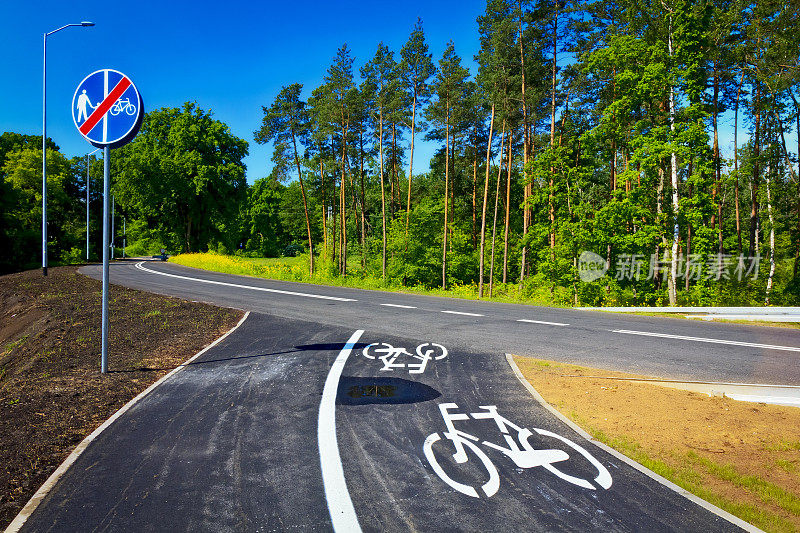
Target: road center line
(263,289)
(542,322)
(400,306)
(461,313)
(340,506)
(713,341)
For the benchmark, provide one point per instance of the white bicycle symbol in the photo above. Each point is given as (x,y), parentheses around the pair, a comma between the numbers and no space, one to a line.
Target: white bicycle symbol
(123,105)
(388,354)
(521,451)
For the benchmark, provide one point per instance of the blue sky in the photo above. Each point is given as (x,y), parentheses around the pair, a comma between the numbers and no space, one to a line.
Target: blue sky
(231,57)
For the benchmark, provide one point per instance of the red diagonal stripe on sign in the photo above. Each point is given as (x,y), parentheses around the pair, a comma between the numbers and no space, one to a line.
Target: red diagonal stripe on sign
(105,105)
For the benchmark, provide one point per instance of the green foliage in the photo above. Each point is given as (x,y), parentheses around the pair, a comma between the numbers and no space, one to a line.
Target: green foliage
(183,174)
(22,206)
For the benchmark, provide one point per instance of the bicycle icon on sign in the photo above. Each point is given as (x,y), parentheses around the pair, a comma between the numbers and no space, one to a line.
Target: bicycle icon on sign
(388,354)
(123,105)
(519,451)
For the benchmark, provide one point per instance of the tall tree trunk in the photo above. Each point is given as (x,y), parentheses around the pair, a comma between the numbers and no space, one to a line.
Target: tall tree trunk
(526,211)
(363,199)
(552,212)
(411,157)
(324,209)
(788,160)
(771,242)
(526,143)
(526,140)
(736,165)
(383,193)
(756,173)
(614,136)
(305,207)
(717,164)
(797,131)
(446,195)
(395,176)
(342,204)
(474,198)
(496,201)
(657,280)
(485,199)
(508,206)
(674,175)
(688,238)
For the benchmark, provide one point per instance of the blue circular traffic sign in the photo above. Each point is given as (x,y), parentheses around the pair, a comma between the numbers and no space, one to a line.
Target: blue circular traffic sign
(107,108)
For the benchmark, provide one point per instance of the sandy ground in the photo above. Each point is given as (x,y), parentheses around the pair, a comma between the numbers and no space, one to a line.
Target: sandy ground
(748,454)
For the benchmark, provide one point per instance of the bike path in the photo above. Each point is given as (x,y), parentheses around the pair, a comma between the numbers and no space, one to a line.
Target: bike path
(227,444)
(394,486)
(231,444)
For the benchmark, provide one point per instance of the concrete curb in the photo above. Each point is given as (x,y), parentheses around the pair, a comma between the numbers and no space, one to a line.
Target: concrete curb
(48,485)
(627,460)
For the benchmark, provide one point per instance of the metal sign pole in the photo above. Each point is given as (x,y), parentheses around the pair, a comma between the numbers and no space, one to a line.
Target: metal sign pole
(111,121)
(87,208)
(106,195)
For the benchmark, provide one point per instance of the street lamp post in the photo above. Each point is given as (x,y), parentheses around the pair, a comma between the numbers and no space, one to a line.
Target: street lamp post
(87,203)
(44,138)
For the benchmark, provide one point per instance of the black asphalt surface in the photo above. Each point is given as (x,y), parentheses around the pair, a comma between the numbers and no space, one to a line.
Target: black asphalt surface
(588,339)
(230,444)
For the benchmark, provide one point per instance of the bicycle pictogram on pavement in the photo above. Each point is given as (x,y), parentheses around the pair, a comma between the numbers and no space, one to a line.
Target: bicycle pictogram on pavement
(400,358)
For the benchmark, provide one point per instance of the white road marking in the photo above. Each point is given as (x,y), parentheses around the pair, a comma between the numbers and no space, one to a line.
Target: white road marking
(340,506)
(263,289)
(776,400)
(713,341)
(400,306)
(461,313)
(542,322)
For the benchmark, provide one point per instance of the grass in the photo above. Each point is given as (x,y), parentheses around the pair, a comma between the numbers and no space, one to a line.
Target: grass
(689,477)
(742,458)
(296,269)
(11,345)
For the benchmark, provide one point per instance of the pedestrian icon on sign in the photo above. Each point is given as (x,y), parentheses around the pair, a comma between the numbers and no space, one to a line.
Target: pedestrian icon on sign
(84,101)
(107,108)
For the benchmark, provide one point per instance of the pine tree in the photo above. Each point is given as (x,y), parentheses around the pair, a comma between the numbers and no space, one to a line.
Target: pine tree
(448,87)
(416,69)
(287,120)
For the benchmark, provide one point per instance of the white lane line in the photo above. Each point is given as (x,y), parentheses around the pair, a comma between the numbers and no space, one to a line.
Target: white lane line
(263,289)
(340,506)
(776,400)
(400,306)
(461,313)
(542,322)
(713,341)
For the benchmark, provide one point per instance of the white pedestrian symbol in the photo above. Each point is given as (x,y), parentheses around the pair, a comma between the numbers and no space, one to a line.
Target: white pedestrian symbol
(84,101)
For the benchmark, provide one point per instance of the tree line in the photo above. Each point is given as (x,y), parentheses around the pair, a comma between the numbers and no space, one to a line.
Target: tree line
(592,133)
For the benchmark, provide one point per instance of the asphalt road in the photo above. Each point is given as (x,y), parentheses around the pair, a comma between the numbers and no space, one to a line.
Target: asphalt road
(292,424)
(657,346)
(332,408)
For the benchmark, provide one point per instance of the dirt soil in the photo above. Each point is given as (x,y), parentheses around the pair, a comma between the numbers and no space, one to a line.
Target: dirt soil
(52,393)
(745,454)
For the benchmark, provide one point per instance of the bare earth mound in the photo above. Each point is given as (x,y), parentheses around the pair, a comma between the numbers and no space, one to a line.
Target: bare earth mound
(52,394)
(743,457)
